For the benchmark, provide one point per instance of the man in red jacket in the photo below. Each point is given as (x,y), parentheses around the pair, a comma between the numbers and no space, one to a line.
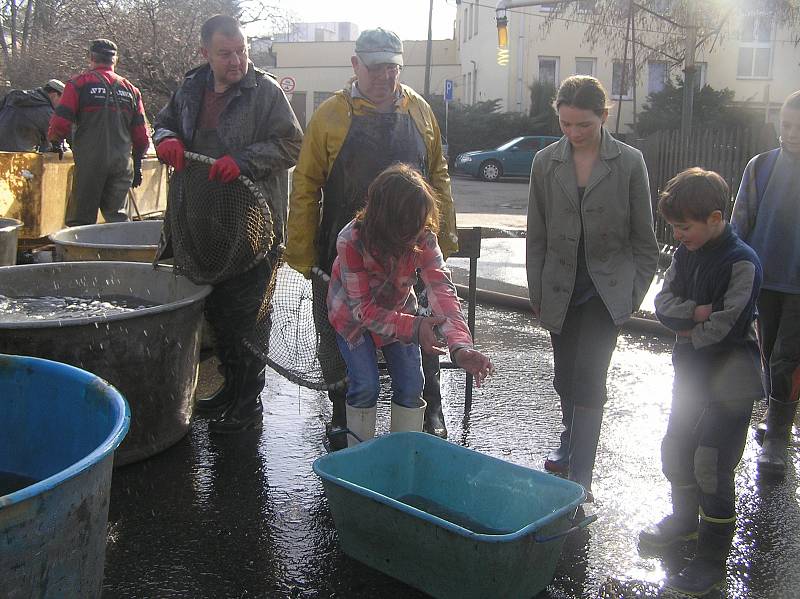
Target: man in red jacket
(110,137)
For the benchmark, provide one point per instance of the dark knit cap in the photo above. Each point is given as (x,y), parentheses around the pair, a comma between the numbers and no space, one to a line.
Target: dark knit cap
(103,46)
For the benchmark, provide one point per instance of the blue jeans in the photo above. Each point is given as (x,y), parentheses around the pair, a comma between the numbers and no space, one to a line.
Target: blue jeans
(363,385)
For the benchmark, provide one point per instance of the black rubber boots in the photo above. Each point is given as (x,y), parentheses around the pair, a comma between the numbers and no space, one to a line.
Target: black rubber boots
(679,527)
(707,570)
(557,461)
(584,437)
(244,412)
(773,457)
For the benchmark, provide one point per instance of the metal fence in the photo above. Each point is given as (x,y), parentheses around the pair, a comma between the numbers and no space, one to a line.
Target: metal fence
(724,151)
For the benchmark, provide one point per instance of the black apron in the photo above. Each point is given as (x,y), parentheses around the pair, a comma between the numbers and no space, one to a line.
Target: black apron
(374,142)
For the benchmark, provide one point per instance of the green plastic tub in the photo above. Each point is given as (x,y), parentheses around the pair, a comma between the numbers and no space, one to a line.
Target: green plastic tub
(447,520)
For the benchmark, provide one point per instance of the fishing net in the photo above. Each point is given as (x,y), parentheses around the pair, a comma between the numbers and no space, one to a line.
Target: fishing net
(221,234)
(218,230)
(302,343)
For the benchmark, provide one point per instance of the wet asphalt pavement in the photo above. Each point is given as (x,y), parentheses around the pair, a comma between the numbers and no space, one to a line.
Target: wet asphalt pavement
(244,516)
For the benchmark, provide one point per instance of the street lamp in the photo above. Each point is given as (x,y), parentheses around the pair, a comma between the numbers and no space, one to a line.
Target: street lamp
(502,30)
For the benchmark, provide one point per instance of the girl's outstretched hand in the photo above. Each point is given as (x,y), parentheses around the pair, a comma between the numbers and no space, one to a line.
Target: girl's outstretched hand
(476,363)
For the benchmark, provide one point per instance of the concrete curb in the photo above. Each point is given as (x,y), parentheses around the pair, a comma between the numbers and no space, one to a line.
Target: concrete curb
(514,302)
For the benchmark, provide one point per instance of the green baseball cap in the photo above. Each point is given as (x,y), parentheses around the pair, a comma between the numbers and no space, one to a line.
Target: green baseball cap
(379,46)
(54,85)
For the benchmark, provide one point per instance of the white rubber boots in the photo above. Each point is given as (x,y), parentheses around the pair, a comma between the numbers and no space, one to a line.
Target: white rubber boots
(361,421)
(407,419)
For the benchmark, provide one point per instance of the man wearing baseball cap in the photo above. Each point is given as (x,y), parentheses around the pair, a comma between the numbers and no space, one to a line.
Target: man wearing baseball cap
(110,137)
(375,121)
(25,116)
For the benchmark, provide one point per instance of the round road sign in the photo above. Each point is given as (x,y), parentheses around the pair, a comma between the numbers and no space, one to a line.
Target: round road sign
(288,84)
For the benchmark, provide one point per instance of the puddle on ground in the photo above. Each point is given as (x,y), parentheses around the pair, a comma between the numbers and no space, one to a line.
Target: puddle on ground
(244,515)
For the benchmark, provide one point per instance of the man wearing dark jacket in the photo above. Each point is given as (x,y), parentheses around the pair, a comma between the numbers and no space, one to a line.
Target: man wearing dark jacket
(238,115)
(25,116)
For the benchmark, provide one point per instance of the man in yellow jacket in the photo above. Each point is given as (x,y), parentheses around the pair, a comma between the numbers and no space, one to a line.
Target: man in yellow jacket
(375,121)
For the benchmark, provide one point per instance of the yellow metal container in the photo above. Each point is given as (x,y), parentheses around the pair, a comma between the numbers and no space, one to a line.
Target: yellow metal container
(34,188)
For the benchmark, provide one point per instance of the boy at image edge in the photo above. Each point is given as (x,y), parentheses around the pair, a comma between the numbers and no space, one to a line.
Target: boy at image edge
(709,300)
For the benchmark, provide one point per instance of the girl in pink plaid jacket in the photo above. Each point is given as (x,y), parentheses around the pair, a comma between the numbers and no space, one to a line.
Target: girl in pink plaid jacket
(371,302)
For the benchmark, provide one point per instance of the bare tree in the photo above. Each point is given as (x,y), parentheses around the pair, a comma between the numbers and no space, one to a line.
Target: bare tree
(158,39)
(655,30)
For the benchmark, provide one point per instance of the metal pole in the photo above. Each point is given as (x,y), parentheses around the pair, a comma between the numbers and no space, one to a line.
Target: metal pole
(689,72)
(474,80)
(521,59)
(446,110)
(428,52)
(623,78)
(633,60)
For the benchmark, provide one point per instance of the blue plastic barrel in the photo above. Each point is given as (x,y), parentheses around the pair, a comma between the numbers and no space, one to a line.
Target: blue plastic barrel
(59,427)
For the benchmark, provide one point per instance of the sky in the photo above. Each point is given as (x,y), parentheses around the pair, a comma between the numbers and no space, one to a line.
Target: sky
(407,18)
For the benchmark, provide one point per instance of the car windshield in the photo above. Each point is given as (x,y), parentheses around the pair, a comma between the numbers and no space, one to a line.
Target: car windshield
(508,144)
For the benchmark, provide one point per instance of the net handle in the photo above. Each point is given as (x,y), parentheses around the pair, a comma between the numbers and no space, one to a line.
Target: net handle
(247,182)
(325,278)
(317,271)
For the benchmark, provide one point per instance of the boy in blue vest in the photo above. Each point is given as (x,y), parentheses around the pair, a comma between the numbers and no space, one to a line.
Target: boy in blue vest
(709,300)
(767,216)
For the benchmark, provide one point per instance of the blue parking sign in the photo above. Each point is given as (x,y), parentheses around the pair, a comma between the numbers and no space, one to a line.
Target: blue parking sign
(448,90)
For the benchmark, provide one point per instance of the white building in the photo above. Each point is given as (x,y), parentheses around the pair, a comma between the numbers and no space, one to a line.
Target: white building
(319,32)
(311,72)
(758,60)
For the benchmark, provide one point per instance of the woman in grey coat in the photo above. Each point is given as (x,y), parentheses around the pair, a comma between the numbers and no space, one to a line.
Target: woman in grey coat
(591,255)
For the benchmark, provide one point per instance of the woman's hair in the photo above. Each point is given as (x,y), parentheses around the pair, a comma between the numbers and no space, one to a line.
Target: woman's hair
(400,203)
(694,194)
(584,92)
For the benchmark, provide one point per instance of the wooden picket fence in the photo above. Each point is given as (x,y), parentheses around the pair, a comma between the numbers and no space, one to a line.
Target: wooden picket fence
(724,151)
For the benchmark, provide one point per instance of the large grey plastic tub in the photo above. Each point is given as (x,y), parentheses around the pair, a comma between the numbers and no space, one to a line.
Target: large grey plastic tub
(135,241)
(150,355)
(9,236)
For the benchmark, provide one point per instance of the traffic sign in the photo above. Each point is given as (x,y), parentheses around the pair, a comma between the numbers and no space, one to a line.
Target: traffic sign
(448,90)
(288,84)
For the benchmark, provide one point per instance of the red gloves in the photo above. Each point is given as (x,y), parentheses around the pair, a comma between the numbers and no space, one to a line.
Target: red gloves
(224,170)
(170,151)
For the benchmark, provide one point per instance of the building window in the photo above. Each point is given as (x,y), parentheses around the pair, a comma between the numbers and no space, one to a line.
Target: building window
(657,73)
(469,89)
(548,70)
(700,75)
(755,47)
(471,13)
(464,96)
(616,80)
(477,12)
(466,25)
(584,66)
(320,97)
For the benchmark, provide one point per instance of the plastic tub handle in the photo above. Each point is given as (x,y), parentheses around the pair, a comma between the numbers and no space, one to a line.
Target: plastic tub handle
(582,524)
